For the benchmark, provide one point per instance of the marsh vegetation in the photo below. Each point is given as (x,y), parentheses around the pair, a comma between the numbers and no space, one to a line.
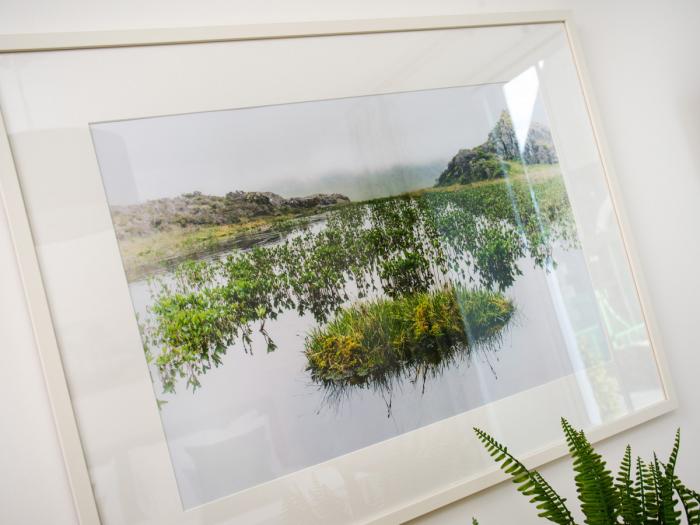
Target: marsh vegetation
(398,286)
(373,343)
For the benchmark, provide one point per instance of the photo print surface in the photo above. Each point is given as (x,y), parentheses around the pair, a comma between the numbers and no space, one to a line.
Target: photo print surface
(313,278)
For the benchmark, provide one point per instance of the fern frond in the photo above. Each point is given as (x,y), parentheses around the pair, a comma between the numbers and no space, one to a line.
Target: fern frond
(668,515)
(671,465)
(594,482)
(690,501)
(665,475)
(550,495)
(630,508)
(639,489)
(529,483)
(645,489)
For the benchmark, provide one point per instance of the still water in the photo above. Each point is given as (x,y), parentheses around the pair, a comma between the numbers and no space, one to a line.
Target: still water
(258,417)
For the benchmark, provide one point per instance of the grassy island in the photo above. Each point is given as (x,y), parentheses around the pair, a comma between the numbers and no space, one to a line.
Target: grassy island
(371,342)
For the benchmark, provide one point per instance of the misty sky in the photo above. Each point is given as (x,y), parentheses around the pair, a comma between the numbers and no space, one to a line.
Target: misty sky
(270,148)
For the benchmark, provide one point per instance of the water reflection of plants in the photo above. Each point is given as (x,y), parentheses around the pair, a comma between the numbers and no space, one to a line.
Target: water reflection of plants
(391,253)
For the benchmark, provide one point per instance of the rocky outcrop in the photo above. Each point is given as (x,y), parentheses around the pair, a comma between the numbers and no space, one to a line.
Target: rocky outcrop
(490,159)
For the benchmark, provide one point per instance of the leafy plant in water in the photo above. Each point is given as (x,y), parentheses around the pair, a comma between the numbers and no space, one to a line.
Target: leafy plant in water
(641,493)
(394,247)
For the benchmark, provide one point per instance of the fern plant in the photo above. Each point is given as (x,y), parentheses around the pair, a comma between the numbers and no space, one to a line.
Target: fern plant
(641,493)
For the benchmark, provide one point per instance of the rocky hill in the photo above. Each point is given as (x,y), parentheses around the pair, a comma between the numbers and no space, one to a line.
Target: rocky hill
(197,209)
(489,160)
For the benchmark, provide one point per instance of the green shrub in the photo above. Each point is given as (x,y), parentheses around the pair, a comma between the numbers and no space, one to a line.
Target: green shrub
(473,165)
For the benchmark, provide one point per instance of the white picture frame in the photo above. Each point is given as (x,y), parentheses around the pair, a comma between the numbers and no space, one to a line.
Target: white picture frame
(43,319)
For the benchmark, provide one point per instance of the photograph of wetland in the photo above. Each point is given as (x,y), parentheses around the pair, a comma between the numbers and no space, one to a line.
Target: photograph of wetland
(313,278)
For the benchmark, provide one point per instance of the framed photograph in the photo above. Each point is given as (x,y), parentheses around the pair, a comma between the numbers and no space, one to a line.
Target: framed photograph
(278,273)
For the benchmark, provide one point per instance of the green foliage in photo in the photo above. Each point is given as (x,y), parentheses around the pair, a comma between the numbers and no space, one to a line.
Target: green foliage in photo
(471,236)
(373,341)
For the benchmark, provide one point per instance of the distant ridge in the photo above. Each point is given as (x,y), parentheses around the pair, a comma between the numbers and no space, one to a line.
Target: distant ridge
(196,208)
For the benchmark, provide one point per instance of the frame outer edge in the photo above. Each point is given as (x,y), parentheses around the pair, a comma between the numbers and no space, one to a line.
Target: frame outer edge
(548,453)
(621,215)
(24,42)
(45,337)
(35,294)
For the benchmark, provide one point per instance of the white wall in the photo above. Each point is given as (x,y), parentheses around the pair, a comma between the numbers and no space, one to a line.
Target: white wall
(642,57)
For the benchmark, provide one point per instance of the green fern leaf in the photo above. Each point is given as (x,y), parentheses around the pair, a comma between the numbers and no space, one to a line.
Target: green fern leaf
(673,458)
(594,482)
(668,515)
(630,508)
(690,501)
(646,490)
(639,490)
(529,483)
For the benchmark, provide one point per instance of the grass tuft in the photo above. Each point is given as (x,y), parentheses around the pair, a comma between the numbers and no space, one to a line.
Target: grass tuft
(370,343)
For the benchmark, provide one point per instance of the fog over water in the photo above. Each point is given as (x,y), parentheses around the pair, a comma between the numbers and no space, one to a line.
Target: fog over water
(292,149)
